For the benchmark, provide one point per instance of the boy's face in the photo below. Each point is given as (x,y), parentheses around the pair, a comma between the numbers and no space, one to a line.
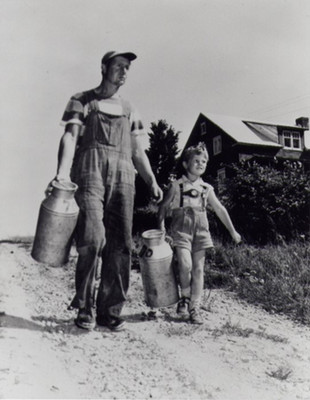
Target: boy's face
(196,165)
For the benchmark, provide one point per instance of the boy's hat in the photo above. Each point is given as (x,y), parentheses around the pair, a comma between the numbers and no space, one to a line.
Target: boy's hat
(111,54)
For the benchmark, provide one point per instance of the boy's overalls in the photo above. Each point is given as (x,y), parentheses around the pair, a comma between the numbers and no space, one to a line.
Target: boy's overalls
(190,226)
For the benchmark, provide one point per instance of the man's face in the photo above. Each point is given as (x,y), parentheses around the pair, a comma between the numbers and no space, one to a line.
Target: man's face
(117,70)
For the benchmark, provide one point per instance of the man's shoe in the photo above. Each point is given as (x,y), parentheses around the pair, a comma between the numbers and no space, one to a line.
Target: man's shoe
(195,317)
(115,324)
(85,320)
(182,307)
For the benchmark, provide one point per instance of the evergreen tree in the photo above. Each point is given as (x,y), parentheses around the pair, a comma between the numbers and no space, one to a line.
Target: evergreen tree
(163,151)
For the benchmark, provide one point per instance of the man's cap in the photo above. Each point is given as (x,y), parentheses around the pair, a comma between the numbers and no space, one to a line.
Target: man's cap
(111,54)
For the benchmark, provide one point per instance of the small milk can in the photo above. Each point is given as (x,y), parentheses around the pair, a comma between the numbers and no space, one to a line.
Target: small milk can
(158,278)
(56,223)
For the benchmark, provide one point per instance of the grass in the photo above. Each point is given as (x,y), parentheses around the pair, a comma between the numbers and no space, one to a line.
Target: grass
(276,277)
(281,373)
(233,329)
(237,330)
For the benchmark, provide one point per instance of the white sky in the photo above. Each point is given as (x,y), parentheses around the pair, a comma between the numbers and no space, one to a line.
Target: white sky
(246,58)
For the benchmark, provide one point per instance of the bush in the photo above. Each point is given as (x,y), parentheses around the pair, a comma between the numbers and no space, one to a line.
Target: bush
(268,204)
(277,277)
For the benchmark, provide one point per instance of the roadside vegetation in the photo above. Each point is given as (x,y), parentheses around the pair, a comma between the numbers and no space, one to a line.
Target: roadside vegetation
(270,206)
(274,276)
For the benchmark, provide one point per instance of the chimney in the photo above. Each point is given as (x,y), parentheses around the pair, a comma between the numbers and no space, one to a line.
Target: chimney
(303,122)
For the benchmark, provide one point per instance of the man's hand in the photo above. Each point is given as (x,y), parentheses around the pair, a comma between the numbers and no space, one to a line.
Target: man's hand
(156,192)
(50,186)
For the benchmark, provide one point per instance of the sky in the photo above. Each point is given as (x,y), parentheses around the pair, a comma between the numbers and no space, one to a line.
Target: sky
(244,58)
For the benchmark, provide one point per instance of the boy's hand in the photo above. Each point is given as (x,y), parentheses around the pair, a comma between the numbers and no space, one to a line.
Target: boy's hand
(236,237)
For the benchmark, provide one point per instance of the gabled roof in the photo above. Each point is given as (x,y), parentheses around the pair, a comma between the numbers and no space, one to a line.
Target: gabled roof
(247,132)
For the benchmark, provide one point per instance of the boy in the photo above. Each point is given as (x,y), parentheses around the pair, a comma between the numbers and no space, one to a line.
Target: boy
(187,198)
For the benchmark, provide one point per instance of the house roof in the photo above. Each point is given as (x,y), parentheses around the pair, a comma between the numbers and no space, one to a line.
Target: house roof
(242,130)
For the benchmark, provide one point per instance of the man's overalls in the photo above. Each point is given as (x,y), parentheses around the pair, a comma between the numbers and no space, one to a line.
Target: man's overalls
(104,172)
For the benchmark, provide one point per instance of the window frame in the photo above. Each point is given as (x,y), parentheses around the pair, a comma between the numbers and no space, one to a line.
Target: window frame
(203,128)
(221,174)
(292,137)
(217,145)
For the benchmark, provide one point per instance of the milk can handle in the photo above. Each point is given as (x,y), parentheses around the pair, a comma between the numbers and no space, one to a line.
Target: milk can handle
(142,251)
(149,253)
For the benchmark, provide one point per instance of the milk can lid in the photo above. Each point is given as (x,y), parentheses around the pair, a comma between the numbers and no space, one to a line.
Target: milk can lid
(152,234)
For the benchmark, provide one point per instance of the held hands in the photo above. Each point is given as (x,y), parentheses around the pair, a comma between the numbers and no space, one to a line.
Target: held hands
(156,192)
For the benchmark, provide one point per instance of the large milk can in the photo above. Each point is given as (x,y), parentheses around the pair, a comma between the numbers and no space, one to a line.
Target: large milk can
(158,278)
(56,223)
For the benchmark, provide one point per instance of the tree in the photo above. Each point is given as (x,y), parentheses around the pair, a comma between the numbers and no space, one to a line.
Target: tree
(163,151)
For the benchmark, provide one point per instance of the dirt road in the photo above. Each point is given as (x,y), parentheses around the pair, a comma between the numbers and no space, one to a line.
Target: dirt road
(240,353)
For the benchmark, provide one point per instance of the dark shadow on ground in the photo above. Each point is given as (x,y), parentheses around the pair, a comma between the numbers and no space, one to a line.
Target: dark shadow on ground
(152,316)
(22,241)
(10,321)
(46,324)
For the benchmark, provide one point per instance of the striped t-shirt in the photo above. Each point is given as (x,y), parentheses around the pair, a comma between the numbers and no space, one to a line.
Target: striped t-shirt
(78,109)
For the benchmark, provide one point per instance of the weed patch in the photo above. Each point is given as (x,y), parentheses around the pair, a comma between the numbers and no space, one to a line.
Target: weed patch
(276,277)
(237,330)
(282,373)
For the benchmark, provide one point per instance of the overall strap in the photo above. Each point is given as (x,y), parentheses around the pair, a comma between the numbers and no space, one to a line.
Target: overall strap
(93,105)
(126,108)
(190,193)
(204,195)
(181,194)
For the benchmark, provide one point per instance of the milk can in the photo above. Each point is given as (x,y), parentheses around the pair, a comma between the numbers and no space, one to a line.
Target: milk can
(56,223)
(158,278)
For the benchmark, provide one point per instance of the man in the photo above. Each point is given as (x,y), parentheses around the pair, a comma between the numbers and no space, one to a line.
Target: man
(99,151)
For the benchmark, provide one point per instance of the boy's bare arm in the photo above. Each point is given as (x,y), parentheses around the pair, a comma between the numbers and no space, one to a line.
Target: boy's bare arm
(223,215)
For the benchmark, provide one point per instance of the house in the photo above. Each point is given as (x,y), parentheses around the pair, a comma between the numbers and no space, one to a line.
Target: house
(230,140)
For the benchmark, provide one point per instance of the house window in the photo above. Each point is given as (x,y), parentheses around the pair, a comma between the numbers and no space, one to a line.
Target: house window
(292,140)
(296,140)
(203,128)
(217,145)
(221,175)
